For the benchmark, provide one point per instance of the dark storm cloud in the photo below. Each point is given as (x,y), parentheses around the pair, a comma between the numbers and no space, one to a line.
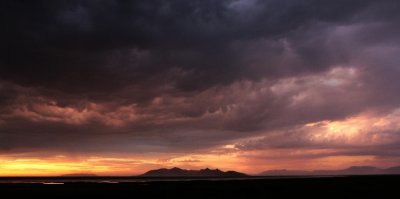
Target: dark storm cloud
(105,45)
(187,75)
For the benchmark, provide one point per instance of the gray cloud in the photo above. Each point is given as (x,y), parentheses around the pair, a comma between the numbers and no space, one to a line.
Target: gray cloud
(189,75)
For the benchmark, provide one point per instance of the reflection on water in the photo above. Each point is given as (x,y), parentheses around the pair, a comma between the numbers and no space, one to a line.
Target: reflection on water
(110,182)
(51,183)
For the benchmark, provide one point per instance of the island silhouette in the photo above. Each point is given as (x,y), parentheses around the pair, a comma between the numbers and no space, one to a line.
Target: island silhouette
(178,172)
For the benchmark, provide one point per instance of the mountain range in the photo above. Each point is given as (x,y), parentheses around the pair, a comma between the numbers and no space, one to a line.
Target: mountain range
(354,170)
(177,172)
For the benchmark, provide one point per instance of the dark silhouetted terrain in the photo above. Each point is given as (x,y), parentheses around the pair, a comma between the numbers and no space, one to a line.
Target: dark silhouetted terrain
(177,172)
(249,187)
(354,170)
(210,183)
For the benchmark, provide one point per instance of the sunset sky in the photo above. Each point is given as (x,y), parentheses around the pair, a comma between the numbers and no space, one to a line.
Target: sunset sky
(120,87)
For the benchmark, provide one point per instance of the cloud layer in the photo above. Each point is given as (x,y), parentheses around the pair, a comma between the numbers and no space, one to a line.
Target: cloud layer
(249,79)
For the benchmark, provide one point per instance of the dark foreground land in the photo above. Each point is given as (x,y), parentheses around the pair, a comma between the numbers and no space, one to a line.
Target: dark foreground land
(299,187)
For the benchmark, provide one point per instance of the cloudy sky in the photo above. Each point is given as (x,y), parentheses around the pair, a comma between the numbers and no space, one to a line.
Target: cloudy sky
(120,87)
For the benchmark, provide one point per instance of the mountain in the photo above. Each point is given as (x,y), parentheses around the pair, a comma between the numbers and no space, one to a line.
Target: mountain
(362,170)
(393,170)
(354,170)
(177,172)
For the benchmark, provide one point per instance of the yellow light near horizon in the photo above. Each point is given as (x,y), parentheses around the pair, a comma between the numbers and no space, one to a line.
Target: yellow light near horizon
(37,167)
(56,166)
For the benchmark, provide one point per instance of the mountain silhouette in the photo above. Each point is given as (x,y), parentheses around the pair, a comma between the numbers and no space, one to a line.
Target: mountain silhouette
(353,170)
(362,170)
(178,172)
(393,170)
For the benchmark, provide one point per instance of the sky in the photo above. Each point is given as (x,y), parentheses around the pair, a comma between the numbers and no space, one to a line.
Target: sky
(120,87)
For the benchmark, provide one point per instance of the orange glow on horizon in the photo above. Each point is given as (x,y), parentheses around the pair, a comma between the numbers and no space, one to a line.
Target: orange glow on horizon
(109,166)
(244,162)
(351,132)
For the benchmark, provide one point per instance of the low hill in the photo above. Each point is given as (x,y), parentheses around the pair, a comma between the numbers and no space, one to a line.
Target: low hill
(354,170)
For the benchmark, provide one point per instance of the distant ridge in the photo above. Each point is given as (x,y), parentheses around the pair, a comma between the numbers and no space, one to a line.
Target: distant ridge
(79,175)
(354,170)
(178,172)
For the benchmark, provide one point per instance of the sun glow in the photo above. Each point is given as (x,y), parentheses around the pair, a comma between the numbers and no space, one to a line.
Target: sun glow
(111,165)
(37,167)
